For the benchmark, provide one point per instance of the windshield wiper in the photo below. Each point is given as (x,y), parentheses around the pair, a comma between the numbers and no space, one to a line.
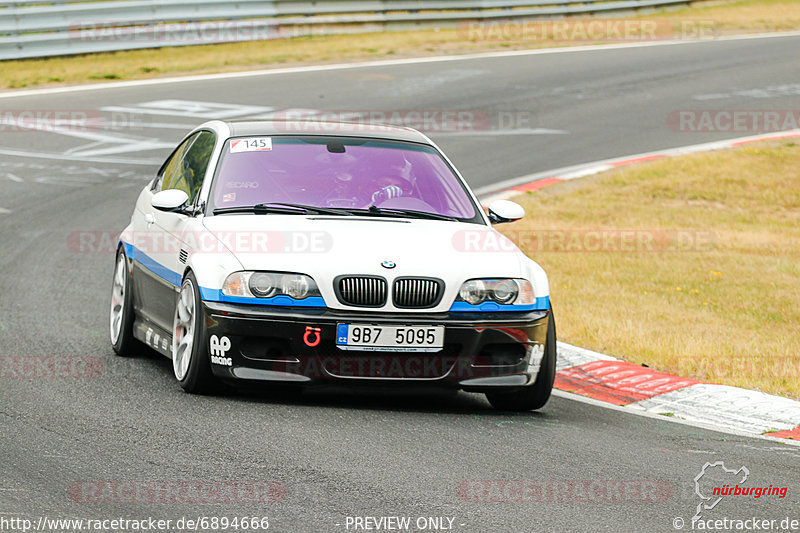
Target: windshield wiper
(308,208)
(282,209)
(403,213)
(301,209)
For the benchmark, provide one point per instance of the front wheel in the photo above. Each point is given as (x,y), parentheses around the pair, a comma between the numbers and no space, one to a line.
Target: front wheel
(121,313)
(534,396)
(189,350)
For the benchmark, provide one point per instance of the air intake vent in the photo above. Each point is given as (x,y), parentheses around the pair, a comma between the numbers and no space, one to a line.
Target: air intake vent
(417,293)
(361,291)
(183,255)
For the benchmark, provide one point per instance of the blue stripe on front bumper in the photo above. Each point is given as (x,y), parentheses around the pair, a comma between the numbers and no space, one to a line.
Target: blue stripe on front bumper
(216,295)
(542,304)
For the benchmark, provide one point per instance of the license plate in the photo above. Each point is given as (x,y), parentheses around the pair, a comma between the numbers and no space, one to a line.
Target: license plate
(367,337)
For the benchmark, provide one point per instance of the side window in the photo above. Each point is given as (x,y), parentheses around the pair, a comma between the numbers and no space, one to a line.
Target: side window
(169,170)
(187,166)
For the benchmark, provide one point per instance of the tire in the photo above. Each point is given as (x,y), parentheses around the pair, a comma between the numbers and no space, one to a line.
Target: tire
(190,360)
(533,396)
(121,314)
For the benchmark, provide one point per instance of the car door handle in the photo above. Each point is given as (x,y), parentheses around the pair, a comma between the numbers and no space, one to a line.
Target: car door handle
(149,218)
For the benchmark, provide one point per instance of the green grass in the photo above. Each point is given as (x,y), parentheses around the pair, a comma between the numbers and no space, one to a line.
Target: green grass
(709,287)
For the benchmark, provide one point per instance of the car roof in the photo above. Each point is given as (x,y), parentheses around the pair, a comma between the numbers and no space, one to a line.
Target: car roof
(242,128)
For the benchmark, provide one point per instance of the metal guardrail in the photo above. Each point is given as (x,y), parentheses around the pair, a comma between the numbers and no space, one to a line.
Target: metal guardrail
(41,28)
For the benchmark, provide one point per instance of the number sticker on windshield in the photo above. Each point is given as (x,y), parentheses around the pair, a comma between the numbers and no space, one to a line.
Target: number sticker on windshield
(251,144)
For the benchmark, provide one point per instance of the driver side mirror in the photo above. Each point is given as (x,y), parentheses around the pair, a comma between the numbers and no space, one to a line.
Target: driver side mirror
(501,211)
(170,201)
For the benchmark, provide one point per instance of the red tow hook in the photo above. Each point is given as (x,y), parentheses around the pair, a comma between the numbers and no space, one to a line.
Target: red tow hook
(317,333)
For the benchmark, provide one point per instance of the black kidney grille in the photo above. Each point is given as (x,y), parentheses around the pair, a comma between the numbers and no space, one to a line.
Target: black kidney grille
(417,293)
(361,291)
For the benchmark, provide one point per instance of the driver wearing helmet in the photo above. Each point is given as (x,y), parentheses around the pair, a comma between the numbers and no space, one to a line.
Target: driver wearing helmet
(394,182)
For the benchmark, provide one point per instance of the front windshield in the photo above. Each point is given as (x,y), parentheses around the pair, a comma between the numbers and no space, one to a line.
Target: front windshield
(338,172)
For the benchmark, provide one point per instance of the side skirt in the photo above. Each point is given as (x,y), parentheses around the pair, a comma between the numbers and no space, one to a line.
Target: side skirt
(153,336)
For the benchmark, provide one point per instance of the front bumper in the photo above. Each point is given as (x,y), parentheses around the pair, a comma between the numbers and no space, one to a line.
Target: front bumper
(482,352)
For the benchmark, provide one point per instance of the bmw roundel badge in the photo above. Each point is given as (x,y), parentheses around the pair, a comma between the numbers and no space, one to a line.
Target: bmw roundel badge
(388,264)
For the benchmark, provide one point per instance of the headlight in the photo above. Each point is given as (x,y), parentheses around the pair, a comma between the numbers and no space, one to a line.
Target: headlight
(502,291)
(296,285)
(269,284)
(473,292)
(264,284)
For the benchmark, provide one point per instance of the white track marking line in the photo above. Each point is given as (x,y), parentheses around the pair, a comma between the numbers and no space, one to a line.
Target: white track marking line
(13,177)
(103,143)
(597,403)
(571,356)
(165,125)
(730,407)
(385,63)
(585,172)
(4,211)
(499,187)
(190,109)
(490,132)
(120,148)
(594,167)
(87,159)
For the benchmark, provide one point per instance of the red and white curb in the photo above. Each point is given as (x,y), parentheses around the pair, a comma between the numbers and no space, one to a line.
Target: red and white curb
(533,182)
(643,390)
(639,388)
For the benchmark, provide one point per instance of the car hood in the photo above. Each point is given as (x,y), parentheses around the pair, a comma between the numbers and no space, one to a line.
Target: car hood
(325,247)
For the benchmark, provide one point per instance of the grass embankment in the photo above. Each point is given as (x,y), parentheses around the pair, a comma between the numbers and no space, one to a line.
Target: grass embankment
(706,20)
(690,265)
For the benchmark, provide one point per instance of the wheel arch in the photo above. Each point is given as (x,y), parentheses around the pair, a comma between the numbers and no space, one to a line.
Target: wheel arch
(121,245)
(210,269)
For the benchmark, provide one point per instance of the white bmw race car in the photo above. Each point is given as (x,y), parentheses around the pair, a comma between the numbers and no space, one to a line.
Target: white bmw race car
(299,253)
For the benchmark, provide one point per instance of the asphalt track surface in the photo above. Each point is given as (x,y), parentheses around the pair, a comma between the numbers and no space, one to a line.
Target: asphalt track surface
(342,454)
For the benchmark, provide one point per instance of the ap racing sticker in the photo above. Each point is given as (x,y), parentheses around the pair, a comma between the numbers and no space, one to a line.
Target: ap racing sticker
(251,144)
(219,350)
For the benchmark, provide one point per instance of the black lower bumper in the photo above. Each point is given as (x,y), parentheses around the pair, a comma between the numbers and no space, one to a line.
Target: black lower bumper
(290,345)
